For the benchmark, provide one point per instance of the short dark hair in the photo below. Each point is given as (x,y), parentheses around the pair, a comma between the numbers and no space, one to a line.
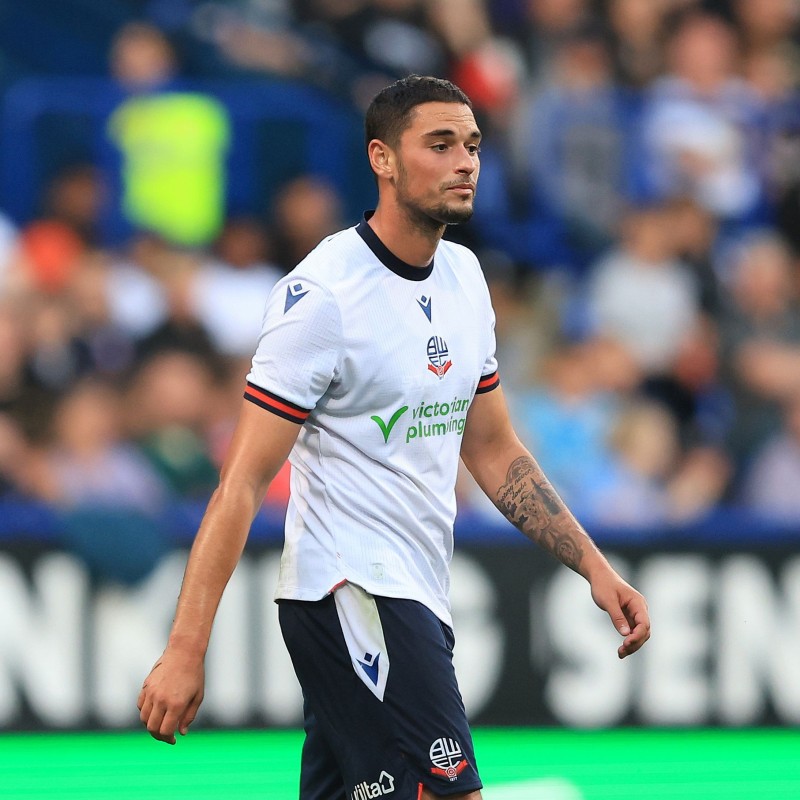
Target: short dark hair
(389,113)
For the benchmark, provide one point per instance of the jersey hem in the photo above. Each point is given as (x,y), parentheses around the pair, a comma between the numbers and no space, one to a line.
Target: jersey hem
(441,612)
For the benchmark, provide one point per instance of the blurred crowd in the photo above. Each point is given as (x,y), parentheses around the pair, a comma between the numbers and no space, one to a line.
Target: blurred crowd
(638,219)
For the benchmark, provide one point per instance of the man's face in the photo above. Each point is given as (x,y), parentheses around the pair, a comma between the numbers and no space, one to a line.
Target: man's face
(438,164)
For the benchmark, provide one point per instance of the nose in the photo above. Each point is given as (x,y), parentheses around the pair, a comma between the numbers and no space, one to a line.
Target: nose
(467,163)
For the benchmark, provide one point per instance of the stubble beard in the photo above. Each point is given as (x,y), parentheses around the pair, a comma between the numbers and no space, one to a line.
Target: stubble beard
(430,218)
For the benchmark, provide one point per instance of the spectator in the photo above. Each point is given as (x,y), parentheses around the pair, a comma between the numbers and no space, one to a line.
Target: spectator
(702,122)
(650,481)
(573,143)
(760,341)
(642,295)
(108,497)
(694,233)
(564,419)
(638,34)
(89,462)
(136,295)
(773,74)
(13,346)
(179,329)
(110,348)
(632,492)
(770,485)
(543,25)
(76,197)
(172,143)
(306,210)
(14,458)
(766,25)
(57,356)
(169,403)
(228,293)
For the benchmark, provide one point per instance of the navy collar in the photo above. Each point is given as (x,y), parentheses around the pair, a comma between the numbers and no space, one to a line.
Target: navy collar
(387,257)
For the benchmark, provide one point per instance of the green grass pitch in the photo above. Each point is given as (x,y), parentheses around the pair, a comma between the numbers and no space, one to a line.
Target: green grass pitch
(516,764)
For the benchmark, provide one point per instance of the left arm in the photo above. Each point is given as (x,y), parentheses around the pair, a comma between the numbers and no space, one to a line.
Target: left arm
(515,483)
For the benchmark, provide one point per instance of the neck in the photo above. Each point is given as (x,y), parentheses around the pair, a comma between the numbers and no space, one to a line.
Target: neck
(412,240)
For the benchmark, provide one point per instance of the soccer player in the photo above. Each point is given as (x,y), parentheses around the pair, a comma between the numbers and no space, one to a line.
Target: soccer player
(374,373)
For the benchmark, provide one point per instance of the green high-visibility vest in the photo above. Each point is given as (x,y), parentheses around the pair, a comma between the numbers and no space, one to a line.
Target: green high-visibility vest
(173,147)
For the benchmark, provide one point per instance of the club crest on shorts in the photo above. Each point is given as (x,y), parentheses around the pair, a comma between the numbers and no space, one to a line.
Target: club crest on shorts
(447,759)
(438,356)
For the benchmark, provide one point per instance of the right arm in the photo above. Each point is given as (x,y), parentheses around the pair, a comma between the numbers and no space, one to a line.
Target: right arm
(173,691)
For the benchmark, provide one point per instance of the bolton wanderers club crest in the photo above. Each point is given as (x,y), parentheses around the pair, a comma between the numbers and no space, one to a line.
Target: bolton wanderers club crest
(438,356)
(447,759)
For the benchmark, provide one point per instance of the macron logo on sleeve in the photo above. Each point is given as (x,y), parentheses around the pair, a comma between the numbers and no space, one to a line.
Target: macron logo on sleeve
(294,293)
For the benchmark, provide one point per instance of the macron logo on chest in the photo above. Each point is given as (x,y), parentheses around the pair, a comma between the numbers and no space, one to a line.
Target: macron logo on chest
(294,294)
(424,303)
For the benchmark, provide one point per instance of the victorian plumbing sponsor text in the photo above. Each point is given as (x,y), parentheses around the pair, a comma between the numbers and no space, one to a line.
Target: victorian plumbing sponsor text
(446,417)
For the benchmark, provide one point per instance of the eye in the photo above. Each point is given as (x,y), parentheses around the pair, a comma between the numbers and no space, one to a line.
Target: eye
(473,149)
(440,147)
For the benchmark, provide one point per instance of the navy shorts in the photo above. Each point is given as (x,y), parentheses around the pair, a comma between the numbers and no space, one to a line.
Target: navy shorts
(383,713)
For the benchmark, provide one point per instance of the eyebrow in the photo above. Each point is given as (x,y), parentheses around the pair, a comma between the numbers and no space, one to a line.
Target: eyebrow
(441,132)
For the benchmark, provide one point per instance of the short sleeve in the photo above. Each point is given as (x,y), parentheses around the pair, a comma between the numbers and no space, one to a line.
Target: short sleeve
(298,351)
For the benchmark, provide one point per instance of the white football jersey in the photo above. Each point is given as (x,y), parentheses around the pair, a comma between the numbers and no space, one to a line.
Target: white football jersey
(379,361)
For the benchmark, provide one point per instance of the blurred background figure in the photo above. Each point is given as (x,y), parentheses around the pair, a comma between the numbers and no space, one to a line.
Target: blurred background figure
(769,487)
(571,152)
(701,124)
(638,31)
(306,210)
(169,407)
(172,142)
(142,58)
(641,294)
(108,497)
(230,288)
(89,461)
(760,341)
(14,458)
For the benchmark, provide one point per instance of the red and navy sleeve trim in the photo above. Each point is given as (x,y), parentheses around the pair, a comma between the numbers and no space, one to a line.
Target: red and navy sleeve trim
(277,405)
(488,382)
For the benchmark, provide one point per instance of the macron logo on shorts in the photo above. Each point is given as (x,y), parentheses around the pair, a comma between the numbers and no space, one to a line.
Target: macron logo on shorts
(363,636)
(370,666)
(294,293)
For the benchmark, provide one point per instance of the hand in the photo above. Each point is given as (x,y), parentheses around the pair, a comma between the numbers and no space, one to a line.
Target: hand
(627,609)
(171,695)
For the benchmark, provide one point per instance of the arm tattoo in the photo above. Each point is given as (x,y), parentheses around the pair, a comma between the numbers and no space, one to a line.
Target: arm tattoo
(528,500)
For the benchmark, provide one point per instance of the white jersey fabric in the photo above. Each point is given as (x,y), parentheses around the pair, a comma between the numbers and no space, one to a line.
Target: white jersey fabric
(379,361)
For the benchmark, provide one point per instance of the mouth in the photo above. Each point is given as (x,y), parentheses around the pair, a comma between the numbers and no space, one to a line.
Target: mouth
(463,189)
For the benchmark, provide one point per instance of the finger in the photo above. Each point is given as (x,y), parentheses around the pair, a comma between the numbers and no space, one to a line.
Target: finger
(155,725)
(189,716)
(639,635)
(169,724)
(635,611)
(619,620)
(145,707)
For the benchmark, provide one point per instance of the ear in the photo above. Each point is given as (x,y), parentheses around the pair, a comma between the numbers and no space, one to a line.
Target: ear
(381,158)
